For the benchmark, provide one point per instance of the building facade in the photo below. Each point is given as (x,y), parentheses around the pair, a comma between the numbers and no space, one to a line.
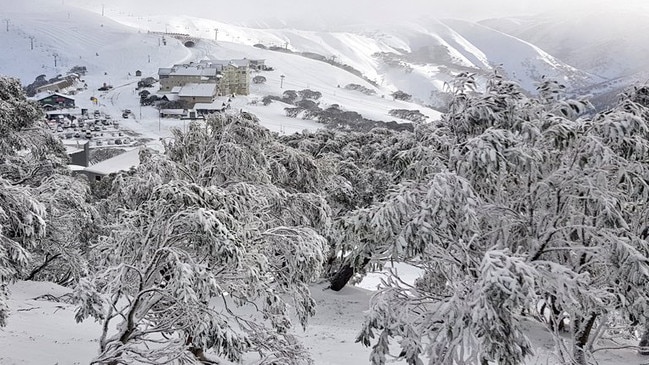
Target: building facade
(230,76)
(55,101)
(181,75)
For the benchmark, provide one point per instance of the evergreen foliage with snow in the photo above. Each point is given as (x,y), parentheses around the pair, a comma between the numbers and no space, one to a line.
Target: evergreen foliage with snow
(201,237)
(528,201)
(513,208)
(38,214)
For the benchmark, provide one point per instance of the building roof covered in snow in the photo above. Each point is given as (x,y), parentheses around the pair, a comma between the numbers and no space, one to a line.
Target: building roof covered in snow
(46,94)
(198,90)
(118,163)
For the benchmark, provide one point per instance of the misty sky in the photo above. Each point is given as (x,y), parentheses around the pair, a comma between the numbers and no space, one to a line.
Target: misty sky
(356,11)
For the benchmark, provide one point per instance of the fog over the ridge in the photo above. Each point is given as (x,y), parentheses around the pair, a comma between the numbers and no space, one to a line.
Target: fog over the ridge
(342,12)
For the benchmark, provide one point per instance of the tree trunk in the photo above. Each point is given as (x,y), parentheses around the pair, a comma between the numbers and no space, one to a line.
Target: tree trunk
(344,274)
(48,260)
(582,333)
(644,342)
(199,353)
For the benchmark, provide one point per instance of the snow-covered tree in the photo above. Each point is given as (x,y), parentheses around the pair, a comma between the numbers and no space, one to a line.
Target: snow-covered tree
(35,228)
(530,203)
(199,241)
(60,255)
(259,79)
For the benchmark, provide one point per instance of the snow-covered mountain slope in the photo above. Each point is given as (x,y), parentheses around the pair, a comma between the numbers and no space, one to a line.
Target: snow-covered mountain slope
(112,52)
(417,57)
(63,37)
(522,61)
(611,43)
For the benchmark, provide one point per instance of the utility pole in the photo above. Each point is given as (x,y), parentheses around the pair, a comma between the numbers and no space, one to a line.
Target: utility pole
(31,42)
(281,81)
(7,22)
(216,34)
(102,9)
(149,58)
(55,58)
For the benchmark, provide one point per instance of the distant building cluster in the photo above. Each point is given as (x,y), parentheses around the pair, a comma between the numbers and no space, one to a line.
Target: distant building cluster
(201,82)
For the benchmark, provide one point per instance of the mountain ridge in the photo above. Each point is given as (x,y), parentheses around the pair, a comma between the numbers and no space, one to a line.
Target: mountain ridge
(418,57)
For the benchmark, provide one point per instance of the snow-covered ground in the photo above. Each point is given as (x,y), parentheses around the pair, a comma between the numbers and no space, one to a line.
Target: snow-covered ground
(42,330)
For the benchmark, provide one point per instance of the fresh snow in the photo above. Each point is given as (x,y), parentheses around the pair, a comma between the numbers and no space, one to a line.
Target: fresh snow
(112,52)
(522,61)
(42,331)
(113,47)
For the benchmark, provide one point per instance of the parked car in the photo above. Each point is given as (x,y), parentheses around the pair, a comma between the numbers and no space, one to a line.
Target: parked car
(118,141)
(88,135)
